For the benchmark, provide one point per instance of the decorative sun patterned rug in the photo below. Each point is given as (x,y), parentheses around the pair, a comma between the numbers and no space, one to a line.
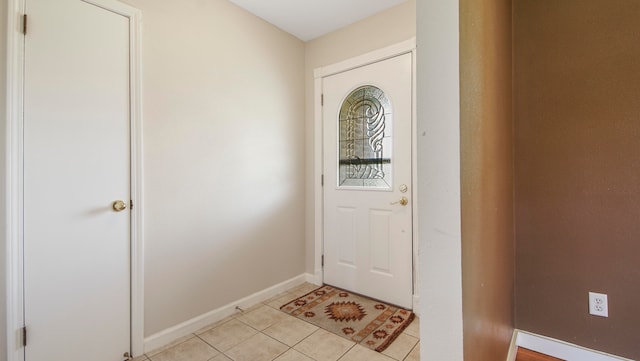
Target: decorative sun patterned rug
(372,324)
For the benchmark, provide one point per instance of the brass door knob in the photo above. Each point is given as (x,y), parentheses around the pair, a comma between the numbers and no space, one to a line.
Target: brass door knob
(119,206)
(403,201)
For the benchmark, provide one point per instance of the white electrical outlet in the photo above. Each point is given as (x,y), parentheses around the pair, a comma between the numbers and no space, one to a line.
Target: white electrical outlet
(598,304)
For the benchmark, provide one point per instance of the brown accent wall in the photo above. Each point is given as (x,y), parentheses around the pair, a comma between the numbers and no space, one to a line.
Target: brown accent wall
(577,180)
(486,178)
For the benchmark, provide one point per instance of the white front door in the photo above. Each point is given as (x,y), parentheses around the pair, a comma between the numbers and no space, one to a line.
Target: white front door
(76,164)
(367,118)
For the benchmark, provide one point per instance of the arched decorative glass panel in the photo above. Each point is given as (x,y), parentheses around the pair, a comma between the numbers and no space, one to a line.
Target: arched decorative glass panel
(365,139)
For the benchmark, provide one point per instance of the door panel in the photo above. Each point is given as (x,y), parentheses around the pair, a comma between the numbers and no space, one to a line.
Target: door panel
(76,163)
(346,236)
(379,230)
(367,117)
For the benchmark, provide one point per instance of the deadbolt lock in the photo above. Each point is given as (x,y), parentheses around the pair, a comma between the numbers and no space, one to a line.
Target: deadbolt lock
(119,206)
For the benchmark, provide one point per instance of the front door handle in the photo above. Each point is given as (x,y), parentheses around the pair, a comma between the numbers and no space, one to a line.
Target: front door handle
(403,201)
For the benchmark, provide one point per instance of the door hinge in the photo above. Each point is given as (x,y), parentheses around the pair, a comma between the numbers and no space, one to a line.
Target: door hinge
(322,180)
(321,98)
(322,260)
(24,336)
(24,24)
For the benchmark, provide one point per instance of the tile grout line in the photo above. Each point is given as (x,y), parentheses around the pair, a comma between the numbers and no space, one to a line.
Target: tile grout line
(264,334)
(299,342)
(292,347)
(210,345)
(346,352)
(275,339)
(167,347)
(413,348)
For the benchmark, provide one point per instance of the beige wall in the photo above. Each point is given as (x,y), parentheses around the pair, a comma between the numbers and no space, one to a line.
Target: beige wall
(488,257)
(577,146)
(224,157)
(383,29)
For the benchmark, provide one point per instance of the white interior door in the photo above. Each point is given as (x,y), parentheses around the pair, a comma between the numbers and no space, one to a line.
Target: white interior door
(367,117)
(76,164)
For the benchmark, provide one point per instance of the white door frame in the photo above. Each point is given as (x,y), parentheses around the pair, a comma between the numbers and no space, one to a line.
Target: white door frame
(14,175)
(408,46)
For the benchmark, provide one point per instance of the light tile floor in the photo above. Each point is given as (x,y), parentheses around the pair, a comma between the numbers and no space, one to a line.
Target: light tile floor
(264,333)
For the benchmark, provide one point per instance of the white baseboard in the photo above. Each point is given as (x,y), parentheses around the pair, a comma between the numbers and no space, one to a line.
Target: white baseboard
(316,278)
(561,349)
(416,305)
(171,334)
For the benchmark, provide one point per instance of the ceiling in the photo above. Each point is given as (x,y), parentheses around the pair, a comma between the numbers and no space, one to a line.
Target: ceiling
(309,19)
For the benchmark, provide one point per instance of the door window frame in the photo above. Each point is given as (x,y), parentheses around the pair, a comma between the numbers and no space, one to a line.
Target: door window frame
(14,175)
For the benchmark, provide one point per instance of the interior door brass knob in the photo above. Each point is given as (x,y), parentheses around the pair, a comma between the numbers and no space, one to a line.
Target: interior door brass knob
(119,206)
(403,201)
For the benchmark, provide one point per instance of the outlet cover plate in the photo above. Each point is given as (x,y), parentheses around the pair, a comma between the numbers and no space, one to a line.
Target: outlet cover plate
(598,304)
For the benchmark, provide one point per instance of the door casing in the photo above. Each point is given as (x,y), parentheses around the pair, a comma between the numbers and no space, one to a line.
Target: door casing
(408,46)
(14,175)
